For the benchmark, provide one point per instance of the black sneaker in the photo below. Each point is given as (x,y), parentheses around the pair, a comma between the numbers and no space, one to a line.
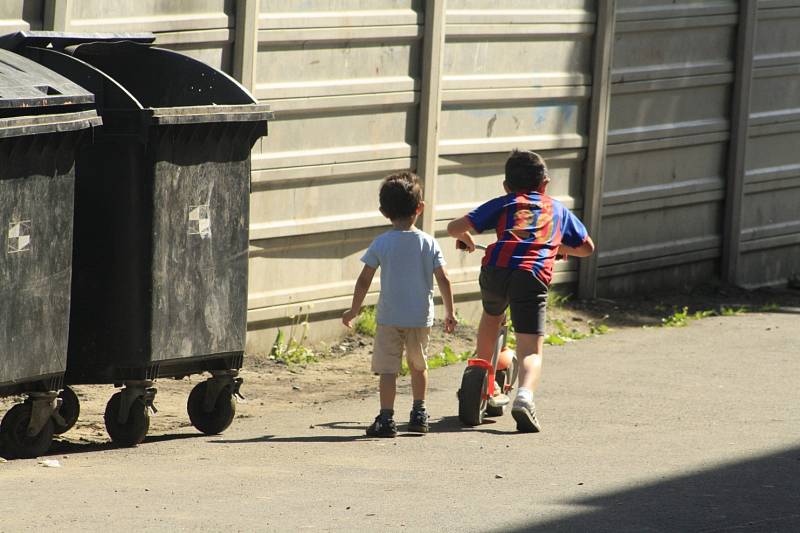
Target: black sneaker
(382,428)
(418,423)
(525,415)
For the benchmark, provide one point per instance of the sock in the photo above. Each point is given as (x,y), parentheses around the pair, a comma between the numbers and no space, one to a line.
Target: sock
(419,405)
(525,394)
(387,414)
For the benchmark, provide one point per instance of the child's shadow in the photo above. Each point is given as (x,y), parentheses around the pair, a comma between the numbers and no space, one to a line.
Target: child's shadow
(447,424)
(451,424)
(347,426)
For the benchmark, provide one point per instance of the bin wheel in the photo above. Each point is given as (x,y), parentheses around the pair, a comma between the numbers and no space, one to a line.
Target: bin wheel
(218,419)
(14,432)
(471,405)
(133,431)
(70,410)
(500,378)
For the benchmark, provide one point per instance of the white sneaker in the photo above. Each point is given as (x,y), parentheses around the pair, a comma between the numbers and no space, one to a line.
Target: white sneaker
(525,415)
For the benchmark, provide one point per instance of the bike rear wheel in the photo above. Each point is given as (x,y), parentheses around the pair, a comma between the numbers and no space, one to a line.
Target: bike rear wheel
(471,404)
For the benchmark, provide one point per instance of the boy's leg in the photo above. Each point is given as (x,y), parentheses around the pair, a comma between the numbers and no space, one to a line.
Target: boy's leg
(417,358)
(494,283)
(384,425)
(529,355)
(387,386)
(419,384)
(418,419)
(386,359)
(386,362)
(488,328)
(528,309)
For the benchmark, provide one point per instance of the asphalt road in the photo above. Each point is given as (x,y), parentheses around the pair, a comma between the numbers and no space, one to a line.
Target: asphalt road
(663,429)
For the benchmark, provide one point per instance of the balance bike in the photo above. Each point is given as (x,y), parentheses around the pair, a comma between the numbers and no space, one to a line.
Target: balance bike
(477,397)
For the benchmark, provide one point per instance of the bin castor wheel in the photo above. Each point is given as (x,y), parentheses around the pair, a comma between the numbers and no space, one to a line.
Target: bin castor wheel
(14,433)
(69,411)
(217,419)
(134,429)
(500,378)
(471,405)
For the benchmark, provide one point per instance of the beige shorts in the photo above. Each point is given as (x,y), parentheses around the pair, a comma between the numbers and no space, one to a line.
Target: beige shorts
(390,341)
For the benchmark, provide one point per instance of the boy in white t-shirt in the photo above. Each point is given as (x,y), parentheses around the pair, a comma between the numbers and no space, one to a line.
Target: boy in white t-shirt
(409,259)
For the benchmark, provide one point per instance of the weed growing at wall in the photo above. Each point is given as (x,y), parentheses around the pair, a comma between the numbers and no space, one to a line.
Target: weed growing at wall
(290,350)
(679,319)
(366,323)
(446,357)
(732,311)
(557,300)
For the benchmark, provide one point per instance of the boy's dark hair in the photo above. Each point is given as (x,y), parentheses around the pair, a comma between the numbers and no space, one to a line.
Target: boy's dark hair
(400,195)
(525,170)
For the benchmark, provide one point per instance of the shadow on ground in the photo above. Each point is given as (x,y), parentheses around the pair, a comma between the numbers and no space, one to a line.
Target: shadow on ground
(451,424)
(448,424)
(355,428)
(69,447)
(760,494)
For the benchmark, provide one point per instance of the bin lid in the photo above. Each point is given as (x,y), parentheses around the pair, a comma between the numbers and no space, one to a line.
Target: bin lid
(126,74)
(159,78)
(60,40)
(36,100)
(26,85)
(177,89)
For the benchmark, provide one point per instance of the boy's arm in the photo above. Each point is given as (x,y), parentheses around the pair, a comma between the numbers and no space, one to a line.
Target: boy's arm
(584,250)
(447,298)
(459,229)
(359,293)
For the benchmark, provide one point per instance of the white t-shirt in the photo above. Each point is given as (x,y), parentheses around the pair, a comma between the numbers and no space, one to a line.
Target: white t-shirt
(407,260)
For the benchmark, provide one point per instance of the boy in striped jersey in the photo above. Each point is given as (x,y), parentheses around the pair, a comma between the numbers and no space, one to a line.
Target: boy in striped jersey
(533,230)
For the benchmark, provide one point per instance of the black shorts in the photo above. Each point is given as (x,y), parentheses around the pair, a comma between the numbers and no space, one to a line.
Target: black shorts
(520,289)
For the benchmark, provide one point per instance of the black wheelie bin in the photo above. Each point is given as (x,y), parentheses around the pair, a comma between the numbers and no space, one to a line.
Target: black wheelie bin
(159,284)
(43,118)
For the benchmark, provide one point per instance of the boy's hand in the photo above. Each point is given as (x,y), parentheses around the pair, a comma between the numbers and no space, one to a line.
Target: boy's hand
(465,242)
(450,323)
(348,316)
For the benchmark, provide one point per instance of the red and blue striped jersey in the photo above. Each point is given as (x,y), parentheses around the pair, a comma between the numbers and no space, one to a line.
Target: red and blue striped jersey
(530,227)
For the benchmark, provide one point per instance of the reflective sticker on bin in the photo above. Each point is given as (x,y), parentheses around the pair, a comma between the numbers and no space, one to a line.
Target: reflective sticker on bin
(199,220)
(19,236)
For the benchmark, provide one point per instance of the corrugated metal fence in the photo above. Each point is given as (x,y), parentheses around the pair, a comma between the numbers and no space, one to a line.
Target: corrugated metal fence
(671,126)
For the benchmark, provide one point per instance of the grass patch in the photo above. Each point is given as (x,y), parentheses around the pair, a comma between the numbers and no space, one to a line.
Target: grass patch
(732,311)
(563,333)
(679,319)
(289,350)
(554,340)
(557,300)
(366,323)
(446,357)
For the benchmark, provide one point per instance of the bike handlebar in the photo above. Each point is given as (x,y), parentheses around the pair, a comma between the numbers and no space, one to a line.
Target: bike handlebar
(462,246)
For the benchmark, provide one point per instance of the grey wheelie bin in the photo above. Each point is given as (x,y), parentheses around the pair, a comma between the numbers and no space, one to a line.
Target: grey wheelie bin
(43,117)
(159,284)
